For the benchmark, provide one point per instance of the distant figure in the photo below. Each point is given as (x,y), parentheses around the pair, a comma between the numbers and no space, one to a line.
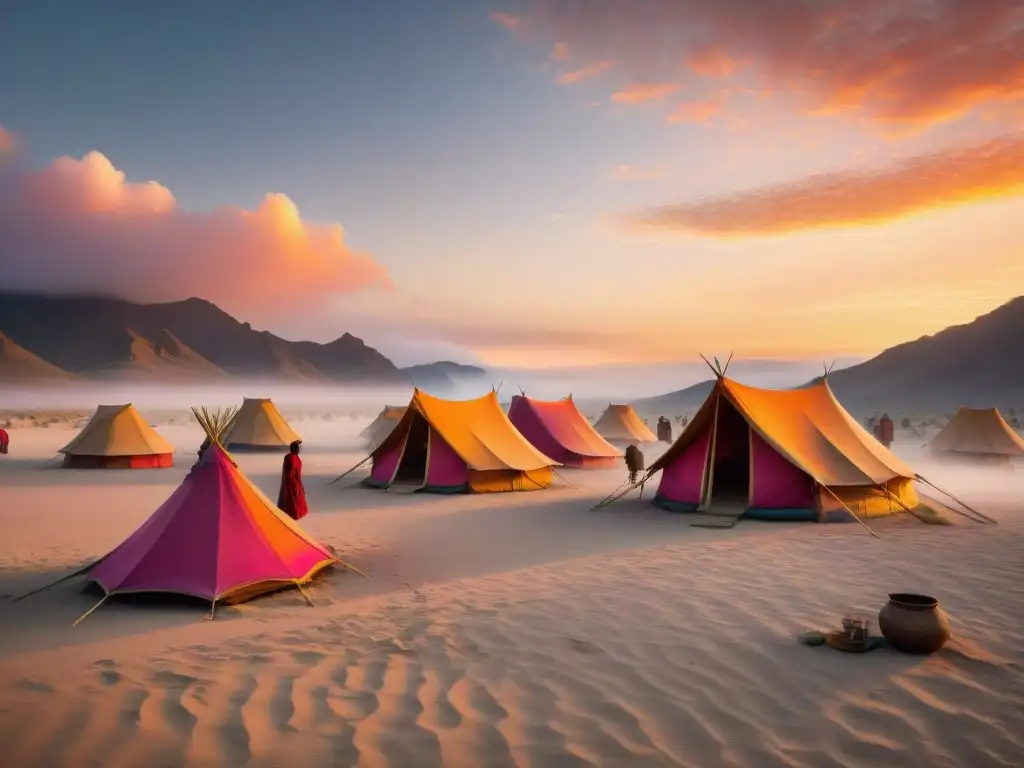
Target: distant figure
(885,430)
(292,498)
(664,430)
(5,441)
(634,462)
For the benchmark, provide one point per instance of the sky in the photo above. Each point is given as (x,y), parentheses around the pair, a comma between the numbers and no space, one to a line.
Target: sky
(530,183)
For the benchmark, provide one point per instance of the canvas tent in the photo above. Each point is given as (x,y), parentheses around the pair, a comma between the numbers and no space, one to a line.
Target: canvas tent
(258,425)
(978,434)
(557,429)
(620,424)
(785,454)
(117,437)
(381,426)
(216,538)
(452,446)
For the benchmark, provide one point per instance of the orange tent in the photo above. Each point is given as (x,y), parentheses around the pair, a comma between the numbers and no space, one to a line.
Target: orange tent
(978,434)
(117,437)
(792,454)
(258,425)
(451,446)
(619,423)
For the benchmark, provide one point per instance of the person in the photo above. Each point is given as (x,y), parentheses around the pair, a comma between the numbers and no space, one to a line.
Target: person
(292,497)
(5,441)
(664,429)
(634,462)
(885,430)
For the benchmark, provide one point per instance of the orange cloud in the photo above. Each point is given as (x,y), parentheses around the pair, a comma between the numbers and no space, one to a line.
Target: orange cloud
(591,70)
(994,169)
(560,52)
(694,112)
(508,21)
(633,173)
(913,63)
(6,142)
(79,225)
(641,93)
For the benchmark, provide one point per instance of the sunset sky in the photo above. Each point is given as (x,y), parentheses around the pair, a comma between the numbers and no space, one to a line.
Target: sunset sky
(530,183)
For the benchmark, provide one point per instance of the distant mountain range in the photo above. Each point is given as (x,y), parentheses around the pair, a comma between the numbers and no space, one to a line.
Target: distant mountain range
(52,338)
(979,364)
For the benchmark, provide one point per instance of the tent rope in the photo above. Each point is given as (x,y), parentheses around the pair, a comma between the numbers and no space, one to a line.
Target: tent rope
(88,613)
(61,580)
(954,510)
(986,518)
(350,471)
(854,516)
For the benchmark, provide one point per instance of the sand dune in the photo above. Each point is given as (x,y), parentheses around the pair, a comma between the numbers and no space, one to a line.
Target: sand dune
(514,629)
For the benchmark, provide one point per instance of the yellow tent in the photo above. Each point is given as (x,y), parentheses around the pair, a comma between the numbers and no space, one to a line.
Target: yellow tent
(381,426)
(978,434)
(257,425)
(117,437)
(788,454)
(450,446)
(621,424)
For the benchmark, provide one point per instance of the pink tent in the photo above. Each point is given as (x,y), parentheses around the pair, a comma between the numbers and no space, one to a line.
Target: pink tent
(216,538)
(557,429)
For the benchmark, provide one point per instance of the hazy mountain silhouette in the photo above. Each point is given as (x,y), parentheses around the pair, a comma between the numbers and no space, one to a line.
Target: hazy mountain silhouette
(103,337)
(18,364)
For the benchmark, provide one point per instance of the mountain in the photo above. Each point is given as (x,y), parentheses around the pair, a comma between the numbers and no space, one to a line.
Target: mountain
(101,337)
(18,364)
(978,364)
(442,377)
(674,403)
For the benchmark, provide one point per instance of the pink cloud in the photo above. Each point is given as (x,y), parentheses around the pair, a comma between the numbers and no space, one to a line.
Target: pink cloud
(641,93)
(915,62)
(507,20)
(954,176)
(6,142)
(584,73)
(694,112)
(634,173)
(79,225)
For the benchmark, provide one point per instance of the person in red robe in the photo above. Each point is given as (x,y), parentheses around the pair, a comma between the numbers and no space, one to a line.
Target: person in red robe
(5,441)
(292,498)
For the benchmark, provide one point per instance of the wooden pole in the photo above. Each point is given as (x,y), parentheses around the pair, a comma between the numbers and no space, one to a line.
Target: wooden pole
(350,471)
(843,505)
(61,580)
(986,518)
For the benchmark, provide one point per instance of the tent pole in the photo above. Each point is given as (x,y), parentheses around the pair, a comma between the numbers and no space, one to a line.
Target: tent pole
(562,479)
(213,607)
(866,528)
(616,495)
(86,614)
(350,471)
(304,595)
(955,511)
(986,518)
(893,497)
(352,568)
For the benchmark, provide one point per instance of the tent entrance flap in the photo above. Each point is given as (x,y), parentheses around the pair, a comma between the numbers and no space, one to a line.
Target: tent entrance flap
(730,469)
(412,467)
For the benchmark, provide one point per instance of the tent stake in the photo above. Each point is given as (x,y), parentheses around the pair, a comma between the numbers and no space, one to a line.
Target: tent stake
(87,613)
(213,607)
(304,595)
(866,528)
(352,568)
(986,518)
(350,471)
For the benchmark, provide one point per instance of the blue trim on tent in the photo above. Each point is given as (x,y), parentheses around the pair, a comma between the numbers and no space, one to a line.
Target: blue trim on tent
(369,482)
(663,502)
(754,513)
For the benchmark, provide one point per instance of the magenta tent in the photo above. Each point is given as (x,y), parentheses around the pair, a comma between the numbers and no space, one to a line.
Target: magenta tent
(216,538)
(557,429)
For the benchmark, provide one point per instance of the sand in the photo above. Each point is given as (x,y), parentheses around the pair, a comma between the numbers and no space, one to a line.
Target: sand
(509,629)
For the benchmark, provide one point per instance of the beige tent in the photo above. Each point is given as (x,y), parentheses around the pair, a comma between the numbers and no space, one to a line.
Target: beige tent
(619,423)
(381,426)
(118,437)
(259,425)
(978,434)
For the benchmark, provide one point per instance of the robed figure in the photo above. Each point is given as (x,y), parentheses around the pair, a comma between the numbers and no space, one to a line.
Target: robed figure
(5,441)
(292,498)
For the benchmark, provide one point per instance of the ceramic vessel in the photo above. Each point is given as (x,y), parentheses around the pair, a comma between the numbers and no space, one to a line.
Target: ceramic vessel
(913,623)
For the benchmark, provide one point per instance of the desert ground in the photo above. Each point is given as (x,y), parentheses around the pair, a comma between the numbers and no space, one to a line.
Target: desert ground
(506,629)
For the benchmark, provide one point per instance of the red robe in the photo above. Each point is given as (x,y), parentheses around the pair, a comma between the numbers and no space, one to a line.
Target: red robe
(4,440)
(292,498)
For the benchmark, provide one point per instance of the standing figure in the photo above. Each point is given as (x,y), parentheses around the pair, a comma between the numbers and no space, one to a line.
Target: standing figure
(664,430)
(885,430)
(5,441)
(292,497)
(634,462)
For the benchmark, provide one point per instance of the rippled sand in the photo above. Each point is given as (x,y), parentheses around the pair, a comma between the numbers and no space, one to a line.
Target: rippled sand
(510,630)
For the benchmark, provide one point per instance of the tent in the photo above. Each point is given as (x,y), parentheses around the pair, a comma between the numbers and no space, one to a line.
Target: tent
(381,426)
(558,429)
(216,538)
(117,437)
(978,434)
(786,454)
(258,425)
(453,446)
(620,423)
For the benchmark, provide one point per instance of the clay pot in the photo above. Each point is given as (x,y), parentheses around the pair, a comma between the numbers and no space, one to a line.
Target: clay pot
(914,623)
